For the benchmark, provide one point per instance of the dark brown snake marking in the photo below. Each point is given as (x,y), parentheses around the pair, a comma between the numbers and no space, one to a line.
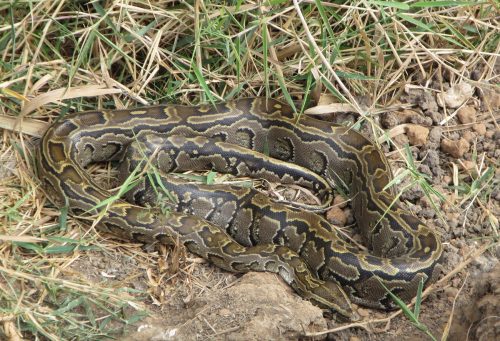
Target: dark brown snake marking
(235,228)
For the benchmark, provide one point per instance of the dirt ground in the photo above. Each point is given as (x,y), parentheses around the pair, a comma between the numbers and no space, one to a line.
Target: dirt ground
(189,299)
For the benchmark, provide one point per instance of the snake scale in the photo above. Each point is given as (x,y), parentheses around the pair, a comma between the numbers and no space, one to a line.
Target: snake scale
(239,229)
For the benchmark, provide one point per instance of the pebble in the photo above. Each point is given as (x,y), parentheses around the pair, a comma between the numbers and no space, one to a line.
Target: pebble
(363,312)
(339,201)
(479,128)
(336,216)
(417,135)
(466,114)
(455,148)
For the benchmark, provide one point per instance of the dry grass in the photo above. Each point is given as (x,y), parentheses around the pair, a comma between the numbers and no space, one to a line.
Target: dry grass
(60,56)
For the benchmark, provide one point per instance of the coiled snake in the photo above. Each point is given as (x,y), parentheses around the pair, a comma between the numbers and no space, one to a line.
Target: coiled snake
(238,229)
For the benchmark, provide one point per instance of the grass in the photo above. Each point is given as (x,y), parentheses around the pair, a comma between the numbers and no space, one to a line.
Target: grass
(66,56)
(413,315)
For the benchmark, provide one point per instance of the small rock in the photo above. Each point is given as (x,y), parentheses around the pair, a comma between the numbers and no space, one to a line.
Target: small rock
(339,201)
(417,135)
(354,338)
(466,114)
(479,128)
(447,179)
(455,96)
(363,312)
(336,216)
(455,148)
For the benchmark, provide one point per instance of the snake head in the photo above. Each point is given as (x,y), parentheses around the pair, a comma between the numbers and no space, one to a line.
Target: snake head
(331,296)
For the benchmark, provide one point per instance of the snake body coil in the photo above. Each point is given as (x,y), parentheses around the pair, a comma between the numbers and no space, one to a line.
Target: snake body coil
(240,230)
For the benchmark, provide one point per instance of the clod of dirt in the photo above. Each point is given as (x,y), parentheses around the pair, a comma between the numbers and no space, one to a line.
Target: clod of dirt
(400,140)
(467,114)
(479,128)
(388,120)
(256,307)
(435,135)
(427,102)
(469,136)
(455,96)
(479,319)
(455,148)
(336,216)
(405,116)
(417,135)
(339,201)
(490,98)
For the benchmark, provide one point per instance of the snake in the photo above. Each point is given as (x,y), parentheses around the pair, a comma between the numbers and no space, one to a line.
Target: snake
(238,228)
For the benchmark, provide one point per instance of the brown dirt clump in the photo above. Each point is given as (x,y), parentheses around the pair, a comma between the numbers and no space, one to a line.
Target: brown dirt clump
(255,307)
